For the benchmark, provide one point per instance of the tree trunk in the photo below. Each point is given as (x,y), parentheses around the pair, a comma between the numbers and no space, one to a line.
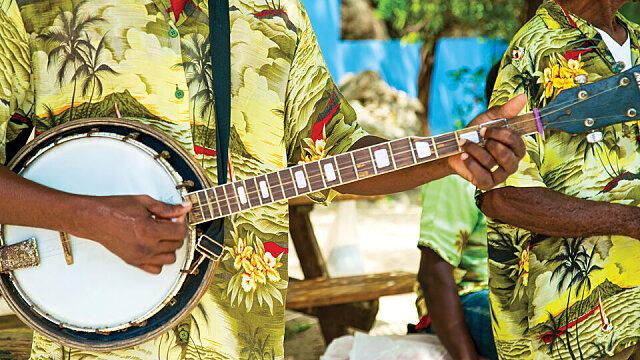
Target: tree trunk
(530,7)
(427,58)
(566,330)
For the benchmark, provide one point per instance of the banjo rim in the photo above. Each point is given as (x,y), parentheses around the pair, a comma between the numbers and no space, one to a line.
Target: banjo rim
(9,290)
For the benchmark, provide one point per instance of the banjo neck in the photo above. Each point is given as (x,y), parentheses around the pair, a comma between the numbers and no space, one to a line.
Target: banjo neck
(224,200)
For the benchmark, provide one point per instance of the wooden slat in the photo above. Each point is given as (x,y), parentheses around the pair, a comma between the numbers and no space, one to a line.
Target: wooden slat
(15,338)
(322,292)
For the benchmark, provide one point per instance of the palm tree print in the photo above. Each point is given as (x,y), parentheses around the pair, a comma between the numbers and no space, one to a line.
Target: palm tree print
(571,261)
(586,267)
(257,348)
(69,37)
(554,333)
(91,69)
(199,76)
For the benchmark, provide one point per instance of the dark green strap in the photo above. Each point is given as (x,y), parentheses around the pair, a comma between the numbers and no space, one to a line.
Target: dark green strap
(219,36)
(221,68)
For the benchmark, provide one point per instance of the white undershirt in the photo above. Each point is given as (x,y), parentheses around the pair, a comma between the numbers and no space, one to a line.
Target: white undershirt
(619,52)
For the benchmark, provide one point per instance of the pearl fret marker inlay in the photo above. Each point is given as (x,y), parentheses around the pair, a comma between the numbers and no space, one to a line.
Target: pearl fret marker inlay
(300,180)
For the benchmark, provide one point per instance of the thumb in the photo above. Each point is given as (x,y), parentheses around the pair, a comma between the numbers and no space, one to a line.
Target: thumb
(167,211)
(511,108)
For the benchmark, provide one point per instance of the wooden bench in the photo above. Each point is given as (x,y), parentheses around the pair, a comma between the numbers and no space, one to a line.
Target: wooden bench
(339,303)
(15,338)
(303,294)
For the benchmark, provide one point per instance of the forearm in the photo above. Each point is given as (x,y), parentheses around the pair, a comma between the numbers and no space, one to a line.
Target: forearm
(396,181)
(548,212)
(27,203)
(444,306)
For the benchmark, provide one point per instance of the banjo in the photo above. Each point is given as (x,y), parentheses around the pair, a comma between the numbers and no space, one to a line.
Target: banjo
(79,294)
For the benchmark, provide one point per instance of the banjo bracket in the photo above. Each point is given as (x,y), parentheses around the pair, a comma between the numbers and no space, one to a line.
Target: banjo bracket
(208,248)
(19,256)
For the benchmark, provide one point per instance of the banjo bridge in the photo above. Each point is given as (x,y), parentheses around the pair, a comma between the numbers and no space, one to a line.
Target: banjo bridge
(19,256)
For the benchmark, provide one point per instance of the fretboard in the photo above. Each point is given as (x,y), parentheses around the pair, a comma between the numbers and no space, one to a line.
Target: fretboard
(238,196)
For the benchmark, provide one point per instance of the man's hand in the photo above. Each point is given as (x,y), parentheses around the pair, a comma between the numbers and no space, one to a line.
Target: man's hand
(503,148)
(140,230)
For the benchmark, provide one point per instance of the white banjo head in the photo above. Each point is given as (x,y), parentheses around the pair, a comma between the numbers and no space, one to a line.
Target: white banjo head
(99,291)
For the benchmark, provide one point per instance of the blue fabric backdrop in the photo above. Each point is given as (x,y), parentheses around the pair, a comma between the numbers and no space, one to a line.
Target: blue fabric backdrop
(460,69)
(397,63)
(457,85)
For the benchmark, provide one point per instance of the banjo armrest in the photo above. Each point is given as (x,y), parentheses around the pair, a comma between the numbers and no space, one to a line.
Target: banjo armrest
(20,255)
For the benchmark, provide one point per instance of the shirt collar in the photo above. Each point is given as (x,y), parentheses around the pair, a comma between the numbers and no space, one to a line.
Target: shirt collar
(554,16)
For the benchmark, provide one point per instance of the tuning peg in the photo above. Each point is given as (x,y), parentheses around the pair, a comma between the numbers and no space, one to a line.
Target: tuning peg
(594,137)
(581,79)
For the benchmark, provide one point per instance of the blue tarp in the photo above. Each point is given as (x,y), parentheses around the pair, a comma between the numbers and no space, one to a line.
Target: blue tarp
(457,85)
(397,63)
(460,67)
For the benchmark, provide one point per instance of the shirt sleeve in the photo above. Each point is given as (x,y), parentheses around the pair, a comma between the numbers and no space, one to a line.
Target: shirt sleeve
(319,120)
(517,77)
(449,216)
(15,73)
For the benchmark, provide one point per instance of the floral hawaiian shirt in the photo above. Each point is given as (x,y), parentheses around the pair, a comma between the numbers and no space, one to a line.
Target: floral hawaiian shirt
(566,298)
(68,60)
(452,226)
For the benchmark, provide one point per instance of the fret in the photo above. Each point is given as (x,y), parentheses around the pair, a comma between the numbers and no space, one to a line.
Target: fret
(330,172)
(435,147)
(393,161)
(241,192)
(195,216)
(263,189)
(402,153)
(364,163)
(346,168)
(355,167)
(213,203)
(193,197)
(230,192)
(222,200)
(314,175)
(204,203)
(382,159)
(252,192)
(210,203)
(446,144)
(455,133)
(196,211)
(423,149)
(287,183)
(275,186)
(375,168)
(300,179)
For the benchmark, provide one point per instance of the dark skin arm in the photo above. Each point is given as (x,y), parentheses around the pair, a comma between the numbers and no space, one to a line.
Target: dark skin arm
(445,308)
(145,232)
(122,224)
(551,213)
(502,147)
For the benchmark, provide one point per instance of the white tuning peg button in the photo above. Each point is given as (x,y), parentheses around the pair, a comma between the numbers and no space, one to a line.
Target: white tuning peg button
(581,79)
(594,137)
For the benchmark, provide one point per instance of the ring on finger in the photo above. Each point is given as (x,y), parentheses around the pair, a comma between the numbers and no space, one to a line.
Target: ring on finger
(494,168)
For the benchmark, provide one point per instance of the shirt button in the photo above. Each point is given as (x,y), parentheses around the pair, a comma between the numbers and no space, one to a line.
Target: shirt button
(173,33)
(179,93)
(183,335)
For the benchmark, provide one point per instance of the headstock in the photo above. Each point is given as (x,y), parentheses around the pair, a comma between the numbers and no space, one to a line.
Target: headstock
(609,101)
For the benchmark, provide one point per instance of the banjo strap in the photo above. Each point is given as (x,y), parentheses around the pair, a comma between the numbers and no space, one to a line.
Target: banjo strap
(210,243)
(219,39)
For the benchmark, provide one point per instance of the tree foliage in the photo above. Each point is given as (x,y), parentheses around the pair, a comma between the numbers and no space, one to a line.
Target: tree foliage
(432,19)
